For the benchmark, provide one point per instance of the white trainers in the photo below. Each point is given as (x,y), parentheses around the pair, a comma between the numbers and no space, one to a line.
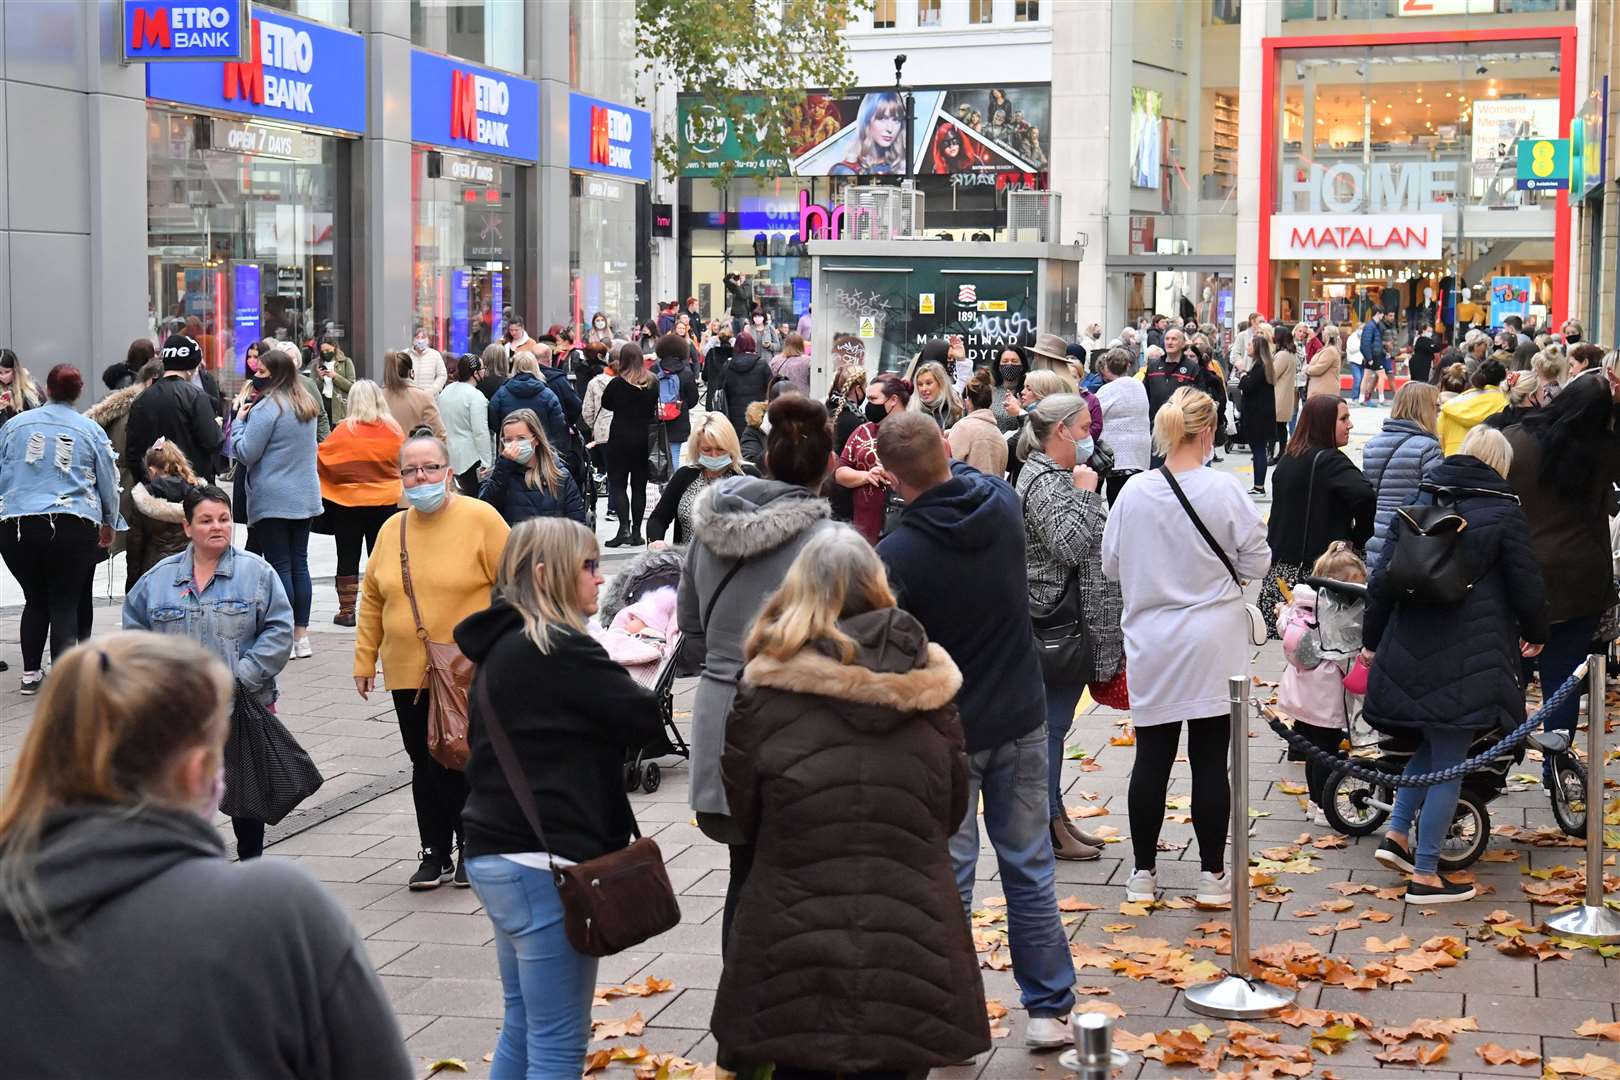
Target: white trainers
(1047,1033)
(302,649)
(1141,885)
(1214,889)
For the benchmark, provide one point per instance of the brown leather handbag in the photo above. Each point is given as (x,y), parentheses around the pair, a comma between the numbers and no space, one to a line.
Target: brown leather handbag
(449,676)
(610,903)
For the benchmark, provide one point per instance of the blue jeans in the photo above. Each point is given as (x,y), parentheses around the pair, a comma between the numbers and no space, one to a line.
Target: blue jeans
(1258,449)
(1568,643)
(1060,705)
(286,549)
(1013,778)
(1432,807)
(675,455)
(546,984)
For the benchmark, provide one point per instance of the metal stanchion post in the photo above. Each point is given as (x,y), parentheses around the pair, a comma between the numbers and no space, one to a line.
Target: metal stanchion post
(1093,1056)
(1592,921)
(1238,996)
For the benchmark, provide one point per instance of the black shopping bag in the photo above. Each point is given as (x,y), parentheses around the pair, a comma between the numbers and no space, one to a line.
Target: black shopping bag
(267,774)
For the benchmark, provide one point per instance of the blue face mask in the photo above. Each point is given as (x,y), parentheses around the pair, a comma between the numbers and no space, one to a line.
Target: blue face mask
(715,462)
(1083,449)
(426,498)
(524,451)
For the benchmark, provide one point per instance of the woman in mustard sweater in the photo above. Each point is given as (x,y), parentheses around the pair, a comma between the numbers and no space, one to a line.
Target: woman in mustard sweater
(454,544)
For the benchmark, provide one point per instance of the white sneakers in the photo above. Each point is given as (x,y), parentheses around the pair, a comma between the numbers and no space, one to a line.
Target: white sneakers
(1214,889)
(302,649)
(1141,886)
(1047,1033)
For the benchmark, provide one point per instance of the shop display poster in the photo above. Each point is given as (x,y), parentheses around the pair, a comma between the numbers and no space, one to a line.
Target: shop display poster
(245,301)
(1509,296)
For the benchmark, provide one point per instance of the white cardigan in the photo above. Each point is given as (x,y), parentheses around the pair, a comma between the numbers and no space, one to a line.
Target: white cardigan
(1185,628)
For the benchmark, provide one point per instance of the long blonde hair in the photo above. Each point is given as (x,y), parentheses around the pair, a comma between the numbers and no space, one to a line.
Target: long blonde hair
(1188,414)
(947,391)
(836,574)
(368,406)
(543,470)
(110,721)
(539,573)
(286,388)
(1418,402)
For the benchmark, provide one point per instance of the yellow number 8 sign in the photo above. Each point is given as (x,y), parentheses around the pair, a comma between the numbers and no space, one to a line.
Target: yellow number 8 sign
(1543,164)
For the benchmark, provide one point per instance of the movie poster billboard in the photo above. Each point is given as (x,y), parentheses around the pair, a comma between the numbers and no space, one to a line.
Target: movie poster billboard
(956,132)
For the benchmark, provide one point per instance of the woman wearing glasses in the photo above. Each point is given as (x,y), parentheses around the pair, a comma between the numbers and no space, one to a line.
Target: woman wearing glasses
(454,545)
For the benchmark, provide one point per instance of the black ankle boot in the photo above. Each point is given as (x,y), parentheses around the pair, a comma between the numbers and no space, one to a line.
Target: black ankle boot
(621,539)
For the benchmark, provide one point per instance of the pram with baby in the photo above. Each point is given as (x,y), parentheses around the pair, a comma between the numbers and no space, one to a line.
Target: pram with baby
(1357,807)
(637,616)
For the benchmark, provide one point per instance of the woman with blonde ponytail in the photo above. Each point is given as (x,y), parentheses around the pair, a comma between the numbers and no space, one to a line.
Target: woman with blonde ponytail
(1186,630)
(125,935)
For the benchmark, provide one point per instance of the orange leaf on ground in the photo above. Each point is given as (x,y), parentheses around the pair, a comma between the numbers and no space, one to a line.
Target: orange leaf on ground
(1074,903)
(994,1009)
(613,1029)
(1503,1055)
(1414,1054)
(1375,945)
(1106,1008)
(1600,1031)
(1591,1065)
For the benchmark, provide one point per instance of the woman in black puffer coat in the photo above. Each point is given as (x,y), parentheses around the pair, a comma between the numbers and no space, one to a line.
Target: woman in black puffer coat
(529,480)
(850,953)
(1447,673)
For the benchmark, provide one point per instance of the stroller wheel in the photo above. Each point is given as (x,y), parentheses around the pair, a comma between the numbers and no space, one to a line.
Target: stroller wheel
(1470,833)
(651,777)
(1569,794)
(1350,804)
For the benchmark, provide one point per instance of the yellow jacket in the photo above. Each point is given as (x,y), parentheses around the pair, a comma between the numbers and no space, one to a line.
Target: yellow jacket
(1465,412)
(455,554)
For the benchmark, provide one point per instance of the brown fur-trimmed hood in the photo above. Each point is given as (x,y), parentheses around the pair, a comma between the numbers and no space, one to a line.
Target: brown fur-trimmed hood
(895,667)
(114,407)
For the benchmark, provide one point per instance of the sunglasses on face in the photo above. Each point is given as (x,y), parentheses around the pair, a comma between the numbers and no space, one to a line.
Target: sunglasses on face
(592,565)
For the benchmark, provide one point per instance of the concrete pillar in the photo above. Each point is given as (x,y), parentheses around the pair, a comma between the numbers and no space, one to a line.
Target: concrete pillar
(383,206)
(1081,64)
(549,206)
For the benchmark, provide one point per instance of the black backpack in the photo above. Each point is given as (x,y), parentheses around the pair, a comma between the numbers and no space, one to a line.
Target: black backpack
(1427,566)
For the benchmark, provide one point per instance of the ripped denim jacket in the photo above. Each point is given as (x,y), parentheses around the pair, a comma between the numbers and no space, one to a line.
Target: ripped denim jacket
(55,461)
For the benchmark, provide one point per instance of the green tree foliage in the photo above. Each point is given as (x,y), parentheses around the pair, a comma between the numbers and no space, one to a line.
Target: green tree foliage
(750,61)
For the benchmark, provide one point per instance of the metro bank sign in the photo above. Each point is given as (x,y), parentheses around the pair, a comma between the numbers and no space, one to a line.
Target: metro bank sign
(161,30)
(472,109)
(303,72)
(607,138)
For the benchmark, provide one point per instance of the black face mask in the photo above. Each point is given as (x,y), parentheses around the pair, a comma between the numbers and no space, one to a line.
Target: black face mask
(259,382)
(1011,373)
(875,412)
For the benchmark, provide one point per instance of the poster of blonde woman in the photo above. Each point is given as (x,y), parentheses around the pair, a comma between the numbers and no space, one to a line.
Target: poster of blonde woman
(1147,140)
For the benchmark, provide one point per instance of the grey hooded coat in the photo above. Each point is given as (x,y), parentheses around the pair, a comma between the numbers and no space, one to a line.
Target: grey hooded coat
(757,528)
(1395,462)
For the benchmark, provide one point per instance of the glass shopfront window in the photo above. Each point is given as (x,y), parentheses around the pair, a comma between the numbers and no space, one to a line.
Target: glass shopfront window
(468,216)
(245,245)
(602,59)
(1396,183)
(602,243)
(332,12)
(1307,11)
(483,31)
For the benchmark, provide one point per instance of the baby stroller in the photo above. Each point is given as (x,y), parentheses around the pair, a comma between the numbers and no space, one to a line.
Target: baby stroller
(650,658)
(1356,807)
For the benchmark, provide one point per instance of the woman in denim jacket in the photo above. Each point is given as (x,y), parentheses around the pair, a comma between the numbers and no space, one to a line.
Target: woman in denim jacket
(228,601)
(58,507)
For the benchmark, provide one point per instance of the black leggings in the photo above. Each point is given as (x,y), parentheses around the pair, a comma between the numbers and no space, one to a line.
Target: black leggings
(1208,742)
(249,838)
(438,793)
(53,557)
(1316,776)
(628,463)
(352,527)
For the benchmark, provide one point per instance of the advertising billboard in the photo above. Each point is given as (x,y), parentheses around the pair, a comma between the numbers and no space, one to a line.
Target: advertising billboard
(962,131)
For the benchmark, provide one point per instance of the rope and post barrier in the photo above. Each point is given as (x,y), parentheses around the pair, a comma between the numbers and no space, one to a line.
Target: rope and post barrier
(1593,921)
(1239,996)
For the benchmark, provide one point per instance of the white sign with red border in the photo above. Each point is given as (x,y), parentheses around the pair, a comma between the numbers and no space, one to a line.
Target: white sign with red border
(1356,236)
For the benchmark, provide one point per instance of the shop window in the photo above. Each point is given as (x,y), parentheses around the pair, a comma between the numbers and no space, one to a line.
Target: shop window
(981,12)
(1026,10)
(332,12)
(245,246)
(602,250)
(883,17)
(467,219)
(928,12)
(483,31)
(602,48)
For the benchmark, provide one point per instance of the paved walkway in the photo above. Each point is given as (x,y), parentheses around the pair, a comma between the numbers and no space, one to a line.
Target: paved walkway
(434,954)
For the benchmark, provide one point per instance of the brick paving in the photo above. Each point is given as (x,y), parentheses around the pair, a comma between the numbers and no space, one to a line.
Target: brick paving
(433,950)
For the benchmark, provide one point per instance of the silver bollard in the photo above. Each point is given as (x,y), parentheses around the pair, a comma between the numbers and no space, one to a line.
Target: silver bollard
(1238,996)
(1593,921)
(1093,1056)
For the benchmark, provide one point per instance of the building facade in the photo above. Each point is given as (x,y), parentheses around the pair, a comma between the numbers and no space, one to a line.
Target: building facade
(368,167)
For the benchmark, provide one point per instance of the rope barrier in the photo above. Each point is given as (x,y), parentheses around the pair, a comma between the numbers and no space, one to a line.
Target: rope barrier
(1506,744)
